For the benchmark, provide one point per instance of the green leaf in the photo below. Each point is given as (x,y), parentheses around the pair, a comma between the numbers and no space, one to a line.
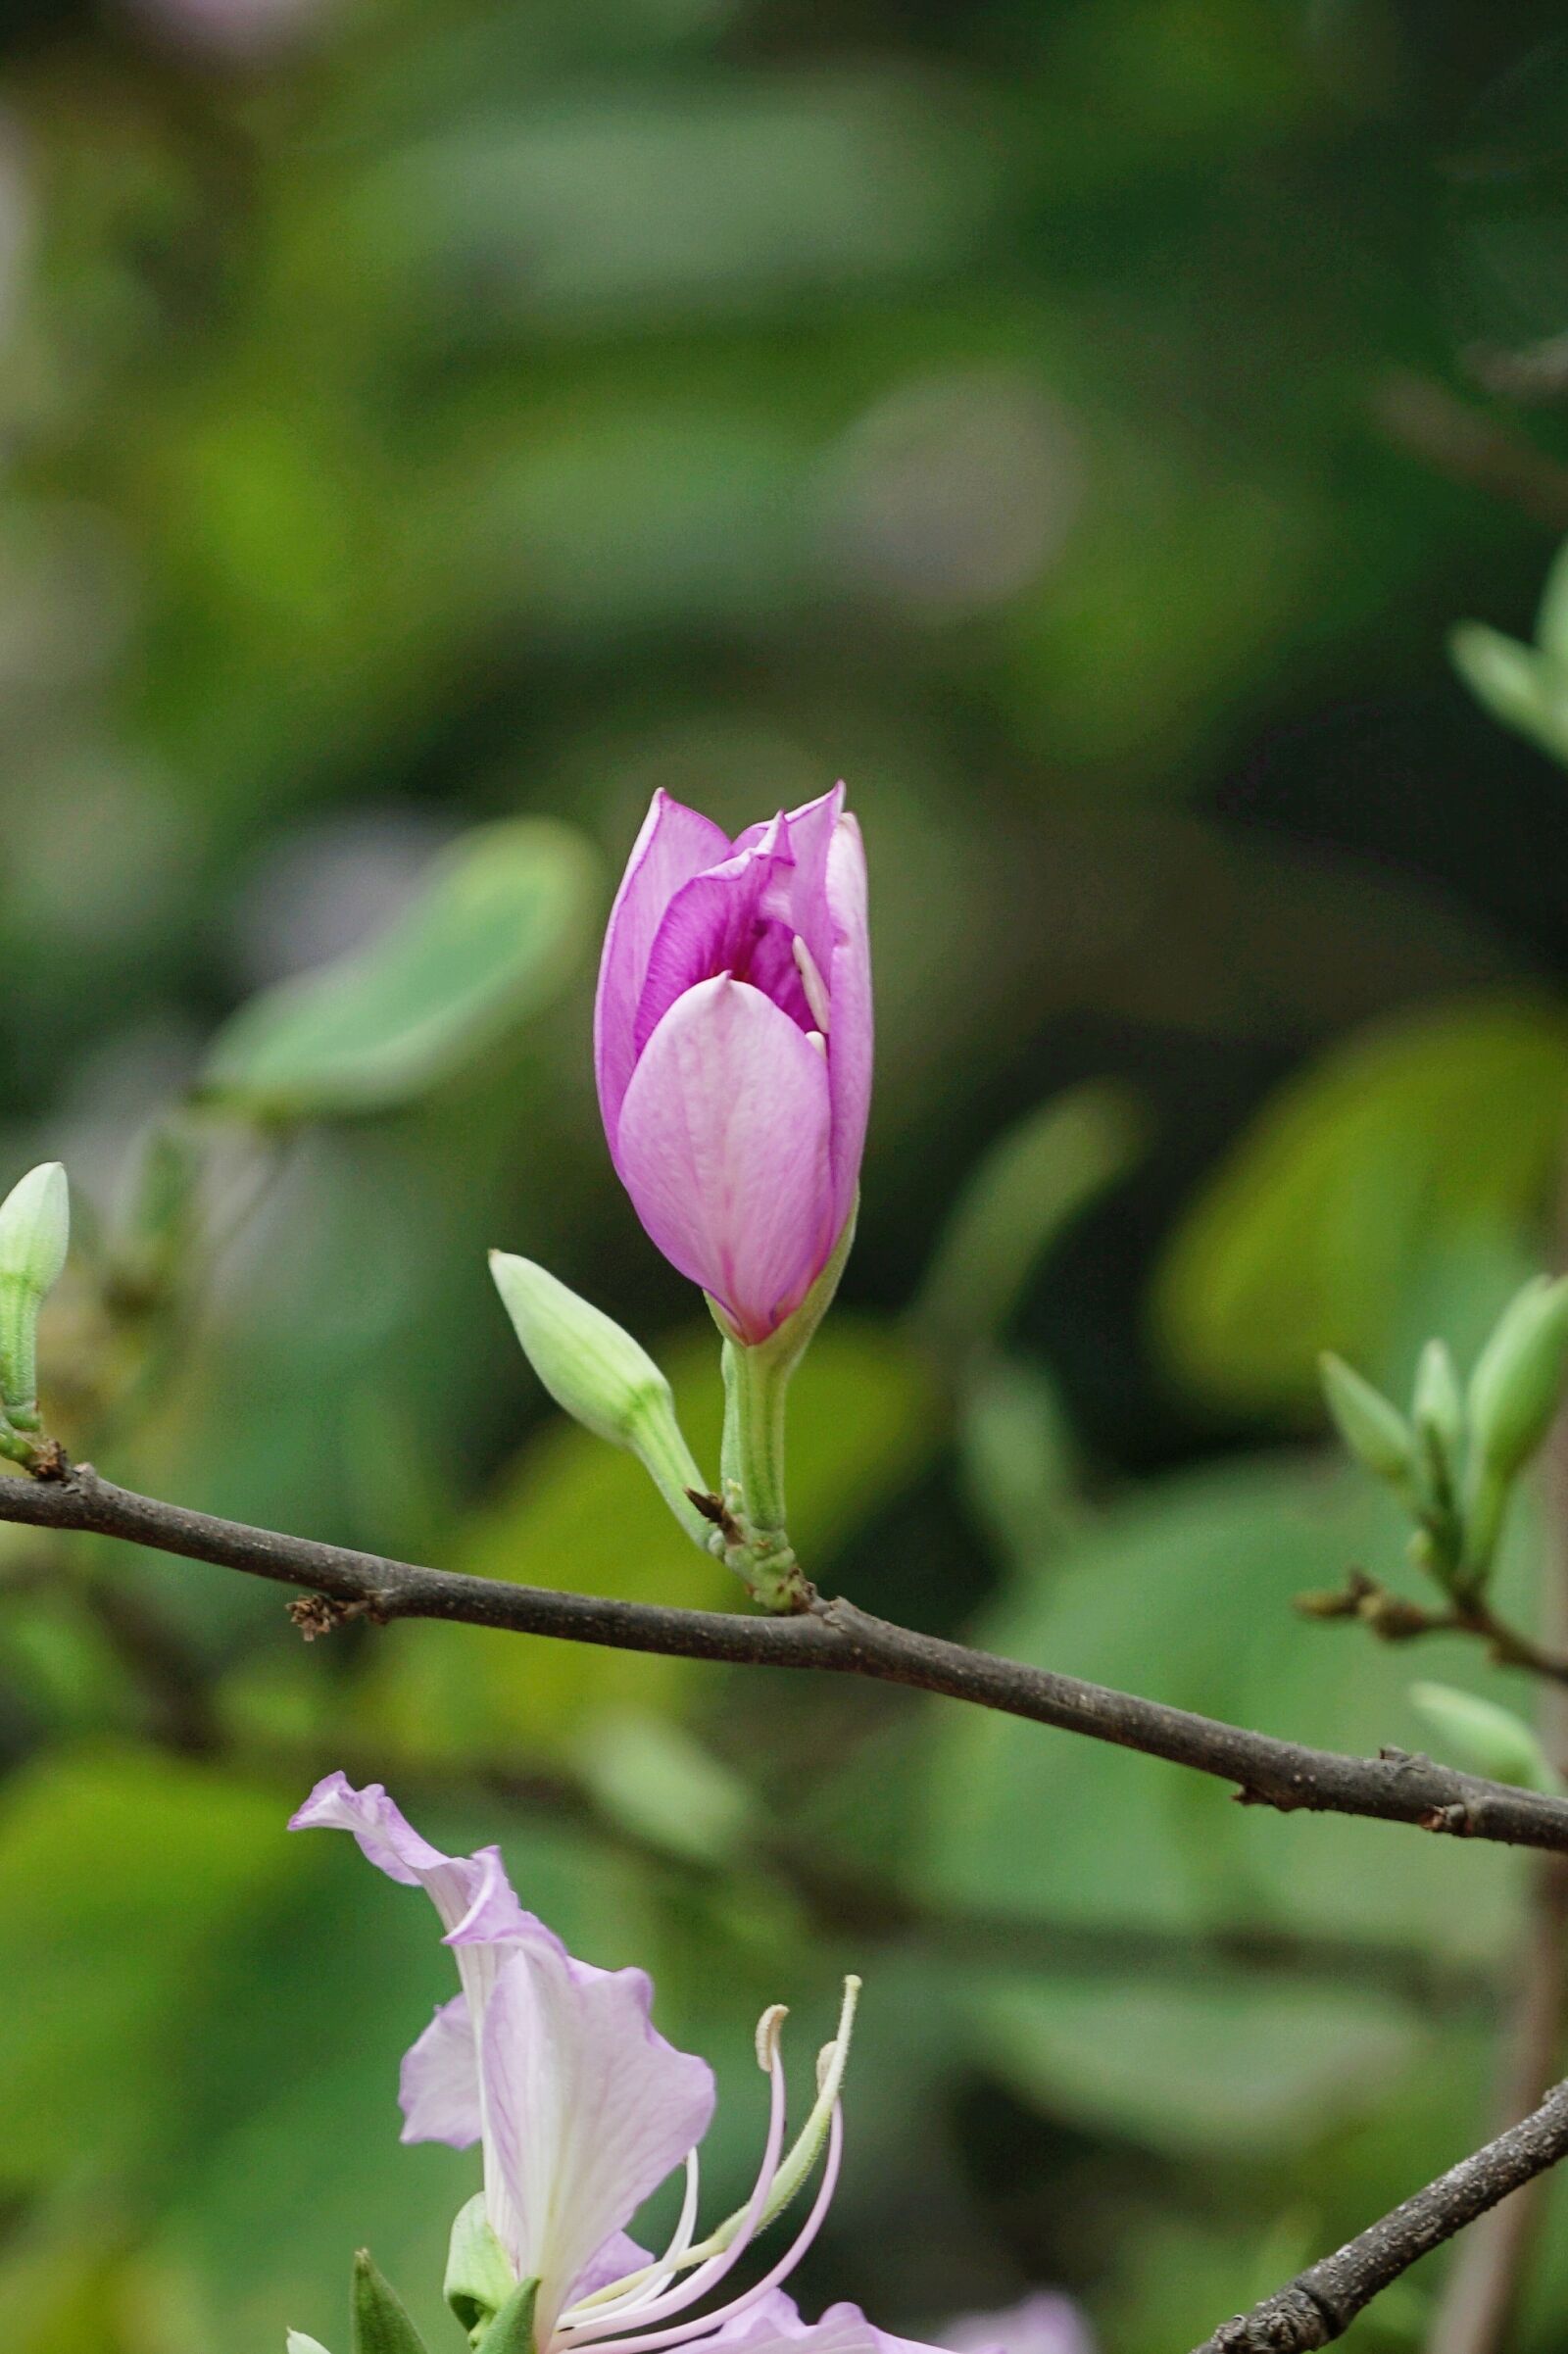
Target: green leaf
(1186,1593)
(115,1852)
(511,2330)
(1401,1148)
(381,2323)
(1524,690)
(1027,1189)
(1484,1736)
(500,927)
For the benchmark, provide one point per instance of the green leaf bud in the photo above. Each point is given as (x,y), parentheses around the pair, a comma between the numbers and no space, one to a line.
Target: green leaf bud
(1371,1426)
(1486,1738)
(1437,1406)
(479,2278)
(34,1231)
(381,2323)
(602,1378)
(511,2330)
(1518,1378)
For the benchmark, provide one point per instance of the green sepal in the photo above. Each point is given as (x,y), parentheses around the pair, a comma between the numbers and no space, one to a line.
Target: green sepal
(380,2320)
(479,2281)
(511,2330)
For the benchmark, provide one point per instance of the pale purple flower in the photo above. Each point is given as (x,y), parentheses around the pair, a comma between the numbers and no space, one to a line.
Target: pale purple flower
(582,2109)
(732,1042)
(1043,2323)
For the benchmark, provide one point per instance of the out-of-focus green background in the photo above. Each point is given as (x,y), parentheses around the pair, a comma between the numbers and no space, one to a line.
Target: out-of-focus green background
(1078,423)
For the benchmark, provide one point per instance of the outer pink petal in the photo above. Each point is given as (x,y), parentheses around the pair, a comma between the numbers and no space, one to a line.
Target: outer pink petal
(440,2088)
(851,1037)
(723,1147)
(587,2108)
(676,844)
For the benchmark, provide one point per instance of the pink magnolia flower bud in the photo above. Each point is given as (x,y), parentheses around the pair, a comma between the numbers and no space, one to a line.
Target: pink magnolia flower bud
(732,1042)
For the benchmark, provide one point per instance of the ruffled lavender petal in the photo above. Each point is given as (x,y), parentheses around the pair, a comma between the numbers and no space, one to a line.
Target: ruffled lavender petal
(587,2110)
(438,2090)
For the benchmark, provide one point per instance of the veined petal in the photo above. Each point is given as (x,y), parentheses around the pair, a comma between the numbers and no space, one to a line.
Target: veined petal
(725,1148)
(676,844)
(438,2090)
(587,2111)
(849,978)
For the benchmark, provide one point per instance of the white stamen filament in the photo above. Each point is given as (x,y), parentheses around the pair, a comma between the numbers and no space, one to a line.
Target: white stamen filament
(634,2290)
(813,983)
(701,2325)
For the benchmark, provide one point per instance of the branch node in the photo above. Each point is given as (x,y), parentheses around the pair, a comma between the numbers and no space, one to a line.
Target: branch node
(322,1613)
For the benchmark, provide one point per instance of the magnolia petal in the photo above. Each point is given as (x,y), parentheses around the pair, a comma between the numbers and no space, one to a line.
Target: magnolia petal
(587,2111)
(675,842)
(438,2090)
(723,1148)
(461,1888)
(850,1040)
(708,928)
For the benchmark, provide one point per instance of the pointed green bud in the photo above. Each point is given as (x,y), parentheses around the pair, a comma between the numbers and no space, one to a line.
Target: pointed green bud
(1484,1738)
(35,1230)
(1518,1378)
(604,1379)
(511,2330)
(1436,1405)
(1372,1428)
(479,2280)
(381,2323)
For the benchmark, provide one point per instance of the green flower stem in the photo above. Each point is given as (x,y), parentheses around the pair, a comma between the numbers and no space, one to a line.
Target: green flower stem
(757,1379)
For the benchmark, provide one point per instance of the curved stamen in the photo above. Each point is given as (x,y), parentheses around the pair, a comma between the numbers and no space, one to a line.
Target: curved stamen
(596,2324)
(635,2289)
(701,2326)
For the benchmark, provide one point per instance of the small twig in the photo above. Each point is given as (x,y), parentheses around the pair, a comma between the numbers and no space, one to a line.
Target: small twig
(1471,447)
(1320,2304)
(1392,1618)
(833,1637)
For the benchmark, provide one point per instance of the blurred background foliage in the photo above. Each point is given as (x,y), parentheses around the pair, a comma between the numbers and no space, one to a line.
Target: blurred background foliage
(425,428)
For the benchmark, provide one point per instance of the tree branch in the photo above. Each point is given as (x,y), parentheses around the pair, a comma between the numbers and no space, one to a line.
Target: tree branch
(1320,2304)
(832,1638)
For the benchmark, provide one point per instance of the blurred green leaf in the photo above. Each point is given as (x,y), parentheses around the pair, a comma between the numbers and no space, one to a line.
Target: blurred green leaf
(1025,1189)
(1396,1147)
(1186,1593)
(499,928)
(663,1786)
(126,1854)
(1486,1738)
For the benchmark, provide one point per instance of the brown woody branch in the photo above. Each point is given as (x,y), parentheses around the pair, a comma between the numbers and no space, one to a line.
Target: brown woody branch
(832,1638)
(1320,2304)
